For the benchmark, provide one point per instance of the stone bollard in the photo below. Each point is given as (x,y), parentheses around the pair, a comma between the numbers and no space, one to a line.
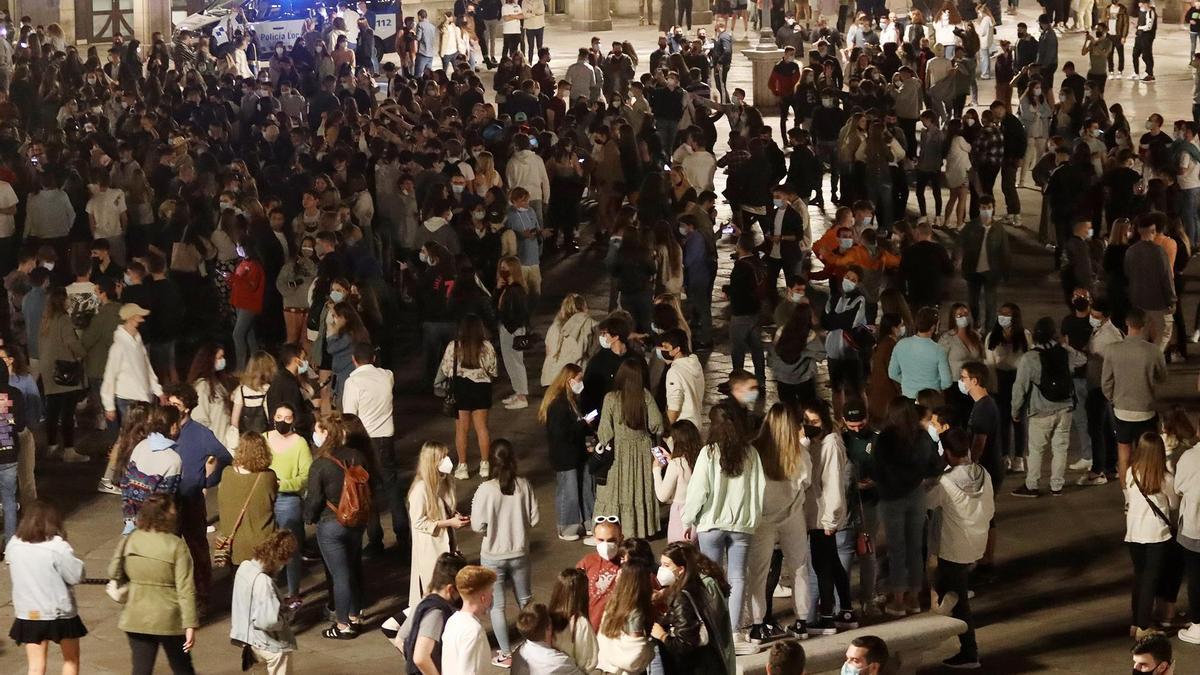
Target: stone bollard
(590,15)
(762,59)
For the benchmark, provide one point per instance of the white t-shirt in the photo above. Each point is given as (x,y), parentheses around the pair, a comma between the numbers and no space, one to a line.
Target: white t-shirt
(8,199)
(106,207)
(465,649)
(511,26)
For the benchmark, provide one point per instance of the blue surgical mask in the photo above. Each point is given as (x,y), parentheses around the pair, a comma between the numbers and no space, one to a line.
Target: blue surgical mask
(779,203)
(846,242)
(220,365)
(749,398)
(848,286)
(962,386)
(848,669)
(303,367)
(337,296)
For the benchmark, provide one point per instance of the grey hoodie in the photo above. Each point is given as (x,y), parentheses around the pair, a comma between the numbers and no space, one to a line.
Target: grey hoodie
(967,504)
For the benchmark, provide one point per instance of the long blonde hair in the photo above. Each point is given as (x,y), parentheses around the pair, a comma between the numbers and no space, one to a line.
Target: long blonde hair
(259,371)
(778,444)
(435,484)
(561,386)
(572,304)
(1148,466)
(512,265)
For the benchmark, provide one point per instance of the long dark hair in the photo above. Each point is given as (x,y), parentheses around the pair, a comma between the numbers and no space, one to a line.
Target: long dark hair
(685,441)
(728,433)
(794,336)
(204,367)
(504,463)
(468,343)
(684,555)
(630,385)
(1017,341)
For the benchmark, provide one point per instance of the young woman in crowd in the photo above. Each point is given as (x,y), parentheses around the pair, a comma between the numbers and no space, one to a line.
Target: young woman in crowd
(246,500)
(469,367)
(688,613)
(825,514)
(259,619)
(623,641)
(154,466)
(725,500)
(154,565)
(505,511)
(433,516)
(962,344)
(629,422)
(341,545)
(571,338)
(61,364)
(250,413)
(513,312)
(794,355)
(44,571)
(566,437)
(671,480)
(569,612)
(205,376)
(291,460)
(1151,498)
(1005,344)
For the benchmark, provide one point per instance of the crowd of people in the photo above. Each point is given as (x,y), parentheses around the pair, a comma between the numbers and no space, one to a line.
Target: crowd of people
(227,272)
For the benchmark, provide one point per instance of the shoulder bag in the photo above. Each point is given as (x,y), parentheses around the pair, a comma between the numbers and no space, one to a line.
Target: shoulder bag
(865,545)
(449,403)
(1154,507)
(699,617)
(223,551)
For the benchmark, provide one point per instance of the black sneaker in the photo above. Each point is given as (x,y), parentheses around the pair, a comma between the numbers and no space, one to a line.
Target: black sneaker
(1026,492)
(1056,493)
(845,620)
(798,630)
(961,661)
(773,631)
(755,635)
(824,626)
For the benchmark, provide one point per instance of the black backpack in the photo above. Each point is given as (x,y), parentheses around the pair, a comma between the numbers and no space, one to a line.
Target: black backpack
(253,419)
(1056,383)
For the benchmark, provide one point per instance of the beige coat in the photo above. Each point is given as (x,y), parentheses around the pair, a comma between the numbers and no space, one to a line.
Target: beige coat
(428,540)
(568,342)
(59,343)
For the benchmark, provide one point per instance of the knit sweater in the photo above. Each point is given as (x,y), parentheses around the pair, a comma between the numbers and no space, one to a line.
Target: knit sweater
(1133,369)
(919,363)
(504,520)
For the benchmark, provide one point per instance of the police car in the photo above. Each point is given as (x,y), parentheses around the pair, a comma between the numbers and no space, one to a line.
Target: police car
(285,21)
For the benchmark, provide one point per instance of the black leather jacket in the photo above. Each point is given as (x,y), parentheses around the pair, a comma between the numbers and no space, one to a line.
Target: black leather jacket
(682,652)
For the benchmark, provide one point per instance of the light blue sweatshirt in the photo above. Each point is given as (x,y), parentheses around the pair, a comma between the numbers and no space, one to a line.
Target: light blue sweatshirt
(919,363)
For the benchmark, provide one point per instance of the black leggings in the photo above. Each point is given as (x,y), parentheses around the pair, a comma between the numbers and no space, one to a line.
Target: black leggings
(830,573)
(60,414)
(1148,564)
(144,651)
(930,179)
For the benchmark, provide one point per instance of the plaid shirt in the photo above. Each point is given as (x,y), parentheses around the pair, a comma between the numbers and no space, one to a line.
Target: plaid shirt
(989,147)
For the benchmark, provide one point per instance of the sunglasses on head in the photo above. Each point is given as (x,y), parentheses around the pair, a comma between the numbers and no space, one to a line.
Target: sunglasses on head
(607,519)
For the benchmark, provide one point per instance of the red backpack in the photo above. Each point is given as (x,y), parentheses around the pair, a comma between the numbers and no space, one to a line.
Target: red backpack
(354,506)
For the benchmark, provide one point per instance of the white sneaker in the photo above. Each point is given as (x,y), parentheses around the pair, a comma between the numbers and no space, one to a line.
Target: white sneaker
(1135,76)
(517,404)
(569,537)
(947,605)
(106,486)
(781,591)
(1090,479)
(1191,634)
(508,399)
(1080,465)
(72,457)
(461,472)
(742,646)
(485,469)
(1196,336)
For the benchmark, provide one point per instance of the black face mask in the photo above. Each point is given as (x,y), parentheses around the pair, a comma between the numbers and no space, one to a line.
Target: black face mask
(811,431)
(1080,305)
(284,428)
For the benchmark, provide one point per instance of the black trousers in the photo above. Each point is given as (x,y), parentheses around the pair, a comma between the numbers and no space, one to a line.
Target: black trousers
(1148,564)
(144,652)
(1102,433)
(1119,51)
(1143,47)
(831,575)
(388,494)
(787,103)
(60,416)
(932,180)
(683,11)
(1191,565)
(512,44)
(953,578)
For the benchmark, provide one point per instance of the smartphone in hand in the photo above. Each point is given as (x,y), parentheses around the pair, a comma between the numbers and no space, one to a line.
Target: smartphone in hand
(660,455)
(591,417)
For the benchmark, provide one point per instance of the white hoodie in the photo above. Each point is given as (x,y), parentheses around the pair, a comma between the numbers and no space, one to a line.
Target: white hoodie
(965,496)
(127,373)
(525,169)
(685,389)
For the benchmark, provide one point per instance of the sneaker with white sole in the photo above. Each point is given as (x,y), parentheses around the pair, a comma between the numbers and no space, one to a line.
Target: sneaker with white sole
(1191,634)
(107,487)
(781,591)
(461,472)
(798,629)
(1090,478)
(947,605)
(743,646)
(485,469)
(568,537)
(508,399)
(824,626)
(72,457)
(517,404)
(502,660)
(845,620)
(1080,465)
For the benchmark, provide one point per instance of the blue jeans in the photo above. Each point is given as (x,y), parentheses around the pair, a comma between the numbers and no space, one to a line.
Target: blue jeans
(574,496)
(123,404)
(715,545)
(516,570)
(904,524)
(8,496)
(1189,200)
(1079,420)
(341,548)
(289,516)
(421,64)
(245,341)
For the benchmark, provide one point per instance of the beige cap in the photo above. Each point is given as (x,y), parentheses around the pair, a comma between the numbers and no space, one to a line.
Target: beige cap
(131,309)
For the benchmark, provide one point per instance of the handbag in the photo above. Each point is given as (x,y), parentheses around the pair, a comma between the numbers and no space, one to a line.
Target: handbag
(864,545)
(222,555)
(700,617)
(523,341)
(449,403)
(118,588)
(599,461)
(185,257)
(1154,507)
(68,373)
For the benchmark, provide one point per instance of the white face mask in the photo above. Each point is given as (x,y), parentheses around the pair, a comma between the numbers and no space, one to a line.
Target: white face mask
(220,365)
(665,577)
(903,330)
(577,387)
(318,439)
(1096,323)
(606,549)
(683,230)
(933,432)
(445,466)
(962,321)
(605,342)
(964,387)
(848,286)
(748,398)
(796,297)
(985,214)
(49,266)
(1004,321)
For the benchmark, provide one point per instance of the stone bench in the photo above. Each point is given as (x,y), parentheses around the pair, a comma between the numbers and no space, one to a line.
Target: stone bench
(907,639)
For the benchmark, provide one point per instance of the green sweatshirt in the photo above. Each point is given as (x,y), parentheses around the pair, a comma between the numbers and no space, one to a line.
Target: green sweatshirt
(716,501)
